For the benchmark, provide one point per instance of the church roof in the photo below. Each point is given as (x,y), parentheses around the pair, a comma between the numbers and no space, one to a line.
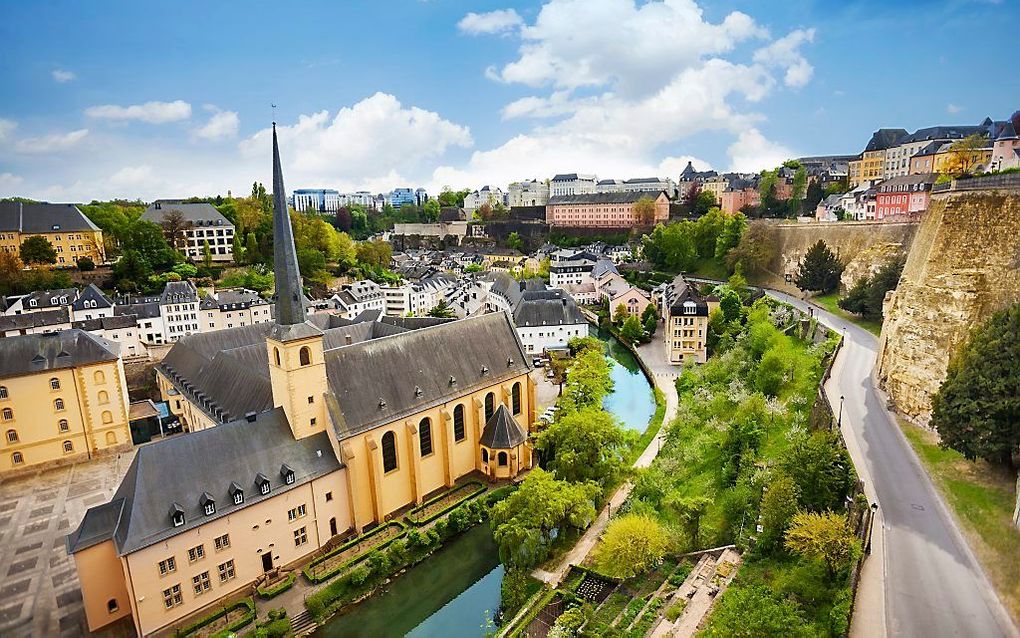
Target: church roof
(289,307)
(502,432)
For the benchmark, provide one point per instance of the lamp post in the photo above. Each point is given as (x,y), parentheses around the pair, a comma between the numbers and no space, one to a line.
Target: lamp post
(839,420)
(871,527)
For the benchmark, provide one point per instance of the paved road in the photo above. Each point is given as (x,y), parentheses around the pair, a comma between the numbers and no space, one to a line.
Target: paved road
(933,585)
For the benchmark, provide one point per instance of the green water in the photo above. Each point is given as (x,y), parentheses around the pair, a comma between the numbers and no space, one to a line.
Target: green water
(632,400)
(448,595)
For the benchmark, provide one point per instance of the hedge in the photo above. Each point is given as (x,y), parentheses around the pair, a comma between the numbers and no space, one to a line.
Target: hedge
(277,589)
(478,489)
(320,578)
(234,626)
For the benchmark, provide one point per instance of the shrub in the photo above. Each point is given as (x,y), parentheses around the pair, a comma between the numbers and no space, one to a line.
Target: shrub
(277,589)
(86,264)
(358,576)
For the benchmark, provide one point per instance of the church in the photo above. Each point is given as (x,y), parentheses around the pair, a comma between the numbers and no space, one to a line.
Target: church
(300,430)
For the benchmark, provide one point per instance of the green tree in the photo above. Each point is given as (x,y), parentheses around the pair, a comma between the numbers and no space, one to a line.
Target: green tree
(376,253)
(586,445)
(10,272)
(755,250)
(588,382)
(798,188)
(37,250)
(650,323)
(632,544)
(826,537)
(514,241)
(310,261)
(820,466)
(620,314)
(965,155)
(815,194)
(689,510)
(867,296)
(251,249)
(732,230)
(206,254)
(977,409)
(672,246)
(778,505)
(185,270)
(131,270)
(644,210)
(819,270)
(753,611)
(430,210)
(442,310)
(772,371)
(632,332)
(85,264)
(707,230)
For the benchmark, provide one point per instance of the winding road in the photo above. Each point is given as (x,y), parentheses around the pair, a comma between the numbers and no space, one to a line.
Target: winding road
(922,578)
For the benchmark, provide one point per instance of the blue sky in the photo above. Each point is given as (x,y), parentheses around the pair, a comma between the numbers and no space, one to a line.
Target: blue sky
(123,99)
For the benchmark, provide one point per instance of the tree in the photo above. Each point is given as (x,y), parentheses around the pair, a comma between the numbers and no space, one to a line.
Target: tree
(586,445)
(631,545)
(310,261)
(821,468)
(756,612)
(620,313)
(10,272)
(977,408)
(430,211)
(206,254)
(588,382)
(729,238)
(185,270)
(778,505)
(376,253)
(131,269)
(442,310)
(815,194)
(251,249)
(797,190)
(819,270)
(965,155)
(755,249)
(631,332)
(772,371)
(867,297)
(689,511)
(672,246)
(651,322)
(644,211)
(826,537)
(514,241)
(37,250)
(175,226)
(343,219)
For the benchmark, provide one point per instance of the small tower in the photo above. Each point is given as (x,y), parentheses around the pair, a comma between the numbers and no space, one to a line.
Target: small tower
(297,367)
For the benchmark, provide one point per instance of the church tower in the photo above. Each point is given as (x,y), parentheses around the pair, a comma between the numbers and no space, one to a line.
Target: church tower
(297,368)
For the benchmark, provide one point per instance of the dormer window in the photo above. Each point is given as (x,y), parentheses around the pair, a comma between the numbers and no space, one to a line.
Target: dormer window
(177,515)
(236,493)
(287,473)
(262,483)
(208,504)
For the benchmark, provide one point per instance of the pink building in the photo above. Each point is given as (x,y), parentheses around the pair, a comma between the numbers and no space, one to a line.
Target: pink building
(602,210)
(733,200)
(904,198)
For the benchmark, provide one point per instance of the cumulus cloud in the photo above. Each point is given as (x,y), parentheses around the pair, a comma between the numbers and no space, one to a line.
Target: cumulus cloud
(61,76)
(752,152)
(784,53)
(499,21)
(222,125)
(151,112)
(8,183)
(50,143)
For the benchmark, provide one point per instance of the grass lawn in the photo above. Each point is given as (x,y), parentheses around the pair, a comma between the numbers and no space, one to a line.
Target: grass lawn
(982,498)
(829,303)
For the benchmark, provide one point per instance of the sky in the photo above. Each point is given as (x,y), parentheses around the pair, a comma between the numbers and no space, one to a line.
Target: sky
(133,100)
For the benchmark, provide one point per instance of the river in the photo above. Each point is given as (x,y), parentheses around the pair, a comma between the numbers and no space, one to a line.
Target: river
(456,590)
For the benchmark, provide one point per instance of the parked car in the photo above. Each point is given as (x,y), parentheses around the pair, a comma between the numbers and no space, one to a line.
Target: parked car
(538,362)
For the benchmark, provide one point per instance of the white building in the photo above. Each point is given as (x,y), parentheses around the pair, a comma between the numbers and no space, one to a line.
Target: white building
(572,184)
(491,195)
(355,298)
(364,199)
(204,225)
(528,193)
(232,308)
(546,319)
(639,185)
(323,200)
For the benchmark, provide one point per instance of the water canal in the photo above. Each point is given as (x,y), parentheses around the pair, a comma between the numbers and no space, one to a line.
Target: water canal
(455,592)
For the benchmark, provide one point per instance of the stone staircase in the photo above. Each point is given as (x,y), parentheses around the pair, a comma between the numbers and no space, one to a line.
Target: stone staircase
(302,623)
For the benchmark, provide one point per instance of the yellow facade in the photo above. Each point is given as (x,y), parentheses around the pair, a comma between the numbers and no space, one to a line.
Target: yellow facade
(70,246)
(854,172)
(63,415)
(872,166)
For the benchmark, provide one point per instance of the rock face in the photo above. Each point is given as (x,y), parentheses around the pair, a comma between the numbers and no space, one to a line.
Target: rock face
(963,266)
(869,261)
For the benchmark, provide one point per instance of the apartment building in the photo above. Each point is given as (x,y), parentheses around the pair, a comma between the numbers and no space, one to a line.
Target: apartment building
(603,210)
(572,184)
(204,226)
(72,234)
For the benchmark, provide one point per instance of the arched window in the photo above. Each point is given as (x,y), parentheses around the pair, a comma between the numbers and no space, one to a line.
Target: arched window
(458,422)
(276,355)
(425,436)
(68,447)
(12,436)
(62,425)
(3,392)
(502,459)
(515,397)
(490,405)
(8,414)
(111,438)
(55,383)
(305,355)
(103,397)
(485,455)
(17,458)
(100,376)
(107,416)
(58,405)
(389,452)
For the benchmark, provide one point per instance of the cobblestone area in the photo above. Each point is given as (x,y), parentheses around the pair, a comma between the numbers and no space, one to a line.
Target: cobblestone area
(40,595)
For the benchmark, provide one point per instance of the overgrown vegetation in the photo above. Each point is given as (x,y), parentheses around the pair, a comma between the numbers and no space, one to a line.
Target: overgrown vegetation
(866,297)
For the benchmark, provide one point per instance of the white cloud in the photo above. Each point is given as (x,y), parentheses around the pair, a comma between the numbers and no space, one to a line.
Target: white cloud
(61,76)
(50,143)
(151,112)
(499,21)
(8,183)
(784,53)
(368,140)
(222,125)
(6,127)
(953,109)
(752,152)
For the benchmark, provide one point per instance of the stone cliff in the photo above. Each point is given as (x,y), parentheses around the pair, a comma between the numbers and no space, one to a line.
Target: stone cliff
(964,264)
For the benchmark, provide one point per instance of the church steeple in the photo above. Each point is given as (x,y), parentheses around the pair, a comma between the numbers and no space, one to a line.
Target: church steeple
(290,308)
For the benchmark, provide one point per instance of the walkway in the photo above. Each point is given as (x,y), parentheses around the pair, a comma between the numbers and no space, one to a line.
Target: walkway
(653,356)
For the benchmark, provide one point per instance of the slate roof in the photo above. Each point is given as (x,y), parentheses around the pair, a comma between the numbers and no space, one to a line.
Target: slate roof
(107,323)
(28,354)
(919,179)
(603,266)
(502,432)
(231,299)
(43,218)
(678,292)
(29,320)
(178,292)
(547,308)
(182,468)
(149,310)
(942,133)
(625,197)
(569,177)
(91,293)
(884,138)
(199,214)
(45,298)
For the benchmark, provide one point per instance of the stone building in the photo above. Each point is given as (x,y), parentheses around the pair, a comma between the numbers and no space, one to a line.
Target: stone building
(685,321)
(603,210)
(72,234)
(312,429)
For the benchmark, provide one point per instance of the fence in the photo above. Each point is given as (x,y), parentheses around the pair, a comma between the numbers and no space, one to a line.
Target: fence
(1009,181)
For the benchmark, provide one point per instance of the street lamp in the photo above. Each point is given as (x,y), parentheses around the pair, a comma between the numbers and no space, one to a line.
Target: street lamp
(871,527)
(839,421)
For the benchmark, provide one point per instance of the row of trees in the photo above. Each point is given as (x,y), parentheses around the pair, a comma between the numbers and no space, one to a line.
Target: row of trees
(678,246)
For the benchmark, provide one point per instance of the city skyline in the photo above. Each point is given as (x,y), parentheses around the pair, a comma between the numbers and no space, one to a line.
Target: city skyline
(153,105)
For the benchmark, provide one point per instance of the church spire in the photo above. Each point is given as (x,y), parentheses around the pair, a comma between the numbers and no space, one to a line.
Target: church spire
(290,308)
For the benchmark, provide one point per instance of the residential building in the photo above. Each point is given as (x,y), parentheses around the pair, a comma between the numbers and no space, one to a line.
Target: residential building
(63,398)
(528,193)
(322,200)
(826,209)
(41,322)
(232,308)
(1006,145)
(122,330)
(632,300)
(603,210)
(178,308)
(304,419)
(897,157)
(904,198)
(545,318)
(564,273)
(717,184)
(854,167)
(572,184)
(72,234)
(858,203)
(733,200)
(651,185)
(689,177)
(204,225)
(355,298)
(490,195)
(685,321)
(872,166)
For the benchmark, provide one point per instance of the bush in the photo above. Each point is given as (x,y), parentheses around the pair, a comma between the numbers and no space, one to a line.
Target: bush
(277,589)
(85,264)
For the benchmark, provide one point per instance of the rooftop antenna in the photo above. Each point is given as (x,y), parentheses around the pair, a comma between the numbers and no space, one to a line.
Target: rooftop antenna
(274,112)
